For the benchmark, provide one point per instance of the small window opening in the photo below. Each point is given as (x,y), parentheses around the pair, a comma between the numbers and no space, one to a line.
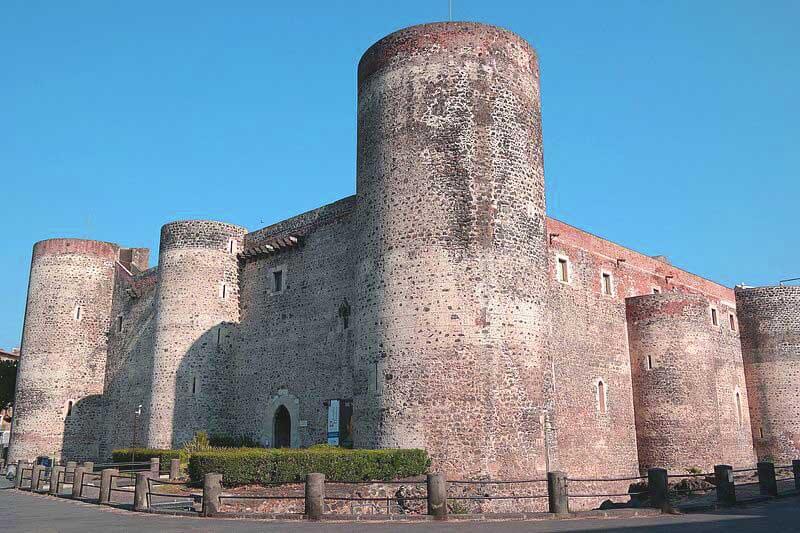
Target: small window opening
(738,408)
(231,246)
(224,291)
(714,318)
(563,270)
(119,324)
(194,385)
(277,280)
(606,282)
(732,321)
(656,290)
(219,337)
(761,432)
(649,362)
(78,312)
(69,408)
(344,314)
(601,396)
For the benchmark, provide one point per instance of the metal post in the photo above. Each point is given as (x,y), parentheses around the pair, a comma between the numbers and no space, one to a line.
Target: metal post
(767,484)
(77,482)
(315,496)
(726,491)
(107,482)
(657,487)
(212,488)
(55,473)
(141,500)
(796,472)
(557,495)
(174,469)
(437,496)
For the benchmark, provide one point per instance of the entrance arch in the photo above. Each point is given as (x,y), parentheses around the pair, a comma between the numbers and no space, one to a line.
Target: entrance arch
(282,429)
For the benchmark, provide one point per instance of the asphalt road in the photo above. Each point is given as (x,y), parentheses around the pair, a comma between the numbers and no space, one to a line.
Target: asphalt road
(38,513)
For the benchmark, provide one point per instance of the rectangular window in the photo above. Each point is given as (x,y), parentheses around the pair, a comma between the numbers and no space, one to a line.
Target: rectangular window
(119,324)
(563,270)
(194,386)
(714,318)
(649,362)
(223,291)
(78,313)
(732,321)
(606,284)
(277,281)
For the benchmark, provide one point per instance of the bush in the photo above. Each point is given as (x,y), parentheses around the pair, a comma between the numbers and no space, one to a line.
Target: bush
(261,465)
(227,441)
(125,455)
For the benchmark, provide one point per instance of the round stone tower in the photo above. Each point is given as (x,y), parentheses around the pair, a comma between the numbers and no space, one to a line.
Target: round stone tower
(769,319)
(690,399)
(64,341)
(196,301)
(451,266)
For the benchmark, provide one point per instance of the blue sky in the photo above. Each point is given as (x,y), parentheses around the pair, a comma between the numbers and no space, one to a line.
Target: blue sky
(670,126)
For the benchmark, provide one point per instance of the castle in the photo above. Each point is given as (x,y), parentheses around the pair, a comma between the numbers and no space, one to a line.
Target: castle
(439,307)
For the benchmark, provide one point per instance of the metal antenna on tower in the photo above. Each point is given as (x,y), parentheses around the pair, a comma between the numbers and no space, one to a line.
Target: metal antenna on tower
(450,9)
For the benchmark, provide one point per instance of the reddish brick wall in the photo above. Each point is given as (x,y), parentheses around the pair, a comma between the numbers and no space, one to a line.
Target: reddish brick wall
(769,318)
(686,377)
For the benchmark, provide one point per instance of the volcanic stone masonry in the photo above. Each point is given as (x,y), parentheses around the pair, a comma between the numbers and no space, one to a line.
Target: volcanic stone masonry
(439,307)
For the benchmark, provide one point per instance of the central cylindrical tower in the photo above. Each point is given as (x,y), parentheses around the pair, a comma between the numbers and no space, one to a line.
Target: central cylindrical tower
(451,271)
(197,299)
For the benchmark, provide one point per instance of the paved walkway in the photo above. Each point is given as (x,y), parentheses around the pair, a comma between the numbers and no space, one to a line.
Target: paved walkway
(23,511)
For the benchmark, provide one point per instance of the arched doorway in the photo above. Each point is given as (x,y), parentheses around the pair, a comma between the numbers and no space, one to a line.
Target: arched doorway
(283,428)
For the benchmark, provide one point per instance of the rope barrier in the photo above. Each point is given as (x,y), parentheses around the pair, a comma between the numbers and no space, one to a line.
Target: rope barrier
(691,475)
(355,482)
(484,498)
(605,479)
(515,481)
(259,497)
(605,495)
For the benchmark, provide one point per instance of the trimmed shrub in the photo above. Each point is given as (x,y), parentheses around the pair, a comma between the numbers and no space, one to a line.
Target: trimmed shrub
(227,441)
(125,455)
(269,465)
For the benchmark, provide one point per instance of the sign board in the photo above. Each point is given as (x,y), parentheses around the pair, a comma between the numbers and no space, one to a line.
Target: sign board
(333,423)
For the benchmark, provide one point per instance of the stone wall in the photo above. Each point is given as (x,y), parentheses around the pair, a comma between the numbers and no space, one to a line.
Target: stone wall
(769,319)
(63,355)
(293,347)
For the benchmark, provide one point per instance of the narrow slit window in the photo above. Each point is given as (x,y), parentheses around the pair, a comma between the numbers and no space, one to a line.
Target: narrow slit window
(194,385)
(714,317)
(656,290)
(69,408)
(119,324)
(231,246)
(223,292)
(219,337)
(607,284)
(601,396)
(761,432)
(563,270)
(732,322)
(277,281)
(649,362)
(738,408)
(78,313)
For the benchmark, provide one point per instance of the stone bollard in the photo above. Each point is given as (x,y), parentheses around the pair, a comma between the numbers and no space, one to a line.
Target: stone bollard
(658,488)
(155,468)
(174,469)
(55,474)
(437,496)
(77,482)
(315,496)
(796,472)
(726,491)
(212,488)
(141,500)
(36,477)
(70,471)
(557,492)
(18,475)
(767,484)
(107,482)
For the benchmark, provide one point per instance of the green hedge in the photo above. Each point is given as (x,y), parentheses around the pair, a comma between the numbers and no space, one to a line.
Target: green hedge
(125,455)
(258,465)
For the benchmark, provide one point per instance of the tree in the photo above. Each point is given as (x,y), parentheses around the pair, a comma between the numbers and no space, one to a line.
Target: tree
(8,380)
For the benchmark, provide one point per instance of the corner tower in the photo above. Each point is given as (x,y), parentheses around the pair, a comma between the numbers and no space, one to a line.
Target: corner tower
(64,349)
(451,267)
(769,318)
(196,302)
(690,398)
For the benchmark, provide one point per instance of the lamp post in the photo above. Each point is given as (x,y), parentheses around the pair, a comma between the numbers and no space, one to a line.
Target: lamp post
(136,415)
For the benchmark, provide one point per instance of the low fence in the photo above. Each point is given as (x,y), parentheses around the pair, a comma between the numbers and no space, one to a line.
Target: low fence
(435,495)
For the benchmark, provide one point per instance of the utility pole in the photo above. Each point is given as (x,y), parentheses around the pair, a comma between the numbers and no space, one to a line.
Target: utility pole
(136,414)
